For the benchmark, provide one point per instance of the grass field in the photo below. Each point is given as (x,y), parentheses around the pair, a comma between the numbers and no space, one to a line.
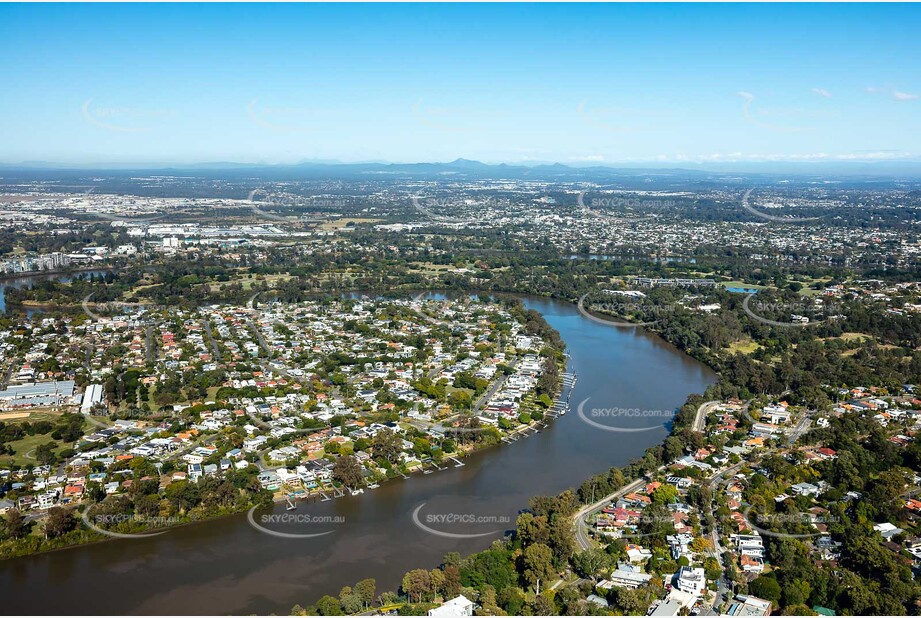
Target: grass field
(248,282)
(24,449)
(340,223)
(859,337)
(746,346)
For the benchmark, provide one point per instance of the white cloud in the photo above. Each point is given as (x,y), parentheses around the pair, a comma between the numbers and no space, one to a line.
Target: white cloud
(903,96)
(897,95)
(587,158)
(822,92)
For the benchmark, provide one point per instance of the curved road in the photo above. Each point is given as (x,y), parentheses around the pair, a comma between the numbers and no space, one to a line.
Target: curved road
(700,420)
(594,318)
(582,537)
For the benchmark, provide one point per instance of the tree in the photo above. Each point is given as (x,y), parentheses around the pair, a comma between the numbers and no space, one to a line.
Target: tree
(700,544)
(347,471)
(59,522)
(452,584)
(15,526)
(493,566)
(664,494)
(417,583)
(633,602)
(796,592)
(350,601)
(365,590)
(537,561)
(329,606)
(44,453)
(388,445)
(437,577)
(489,603)
(460,400)
(147,506)
(562,538)
(530,529)
(712,569)
(765,587)
(543,606)
(673,449)
(591,562)
(512,600)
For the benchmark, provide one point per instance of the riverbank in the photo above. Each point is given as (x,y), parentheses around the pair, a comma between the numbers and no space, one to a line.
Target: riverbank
(228,567)
(536,425)
(292,488)
(629,478)
(63,272)
(34,545)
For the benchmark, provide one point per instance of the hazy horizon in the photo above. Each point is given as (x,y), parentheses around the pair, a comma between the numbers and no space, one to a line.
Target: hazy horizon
(610,85)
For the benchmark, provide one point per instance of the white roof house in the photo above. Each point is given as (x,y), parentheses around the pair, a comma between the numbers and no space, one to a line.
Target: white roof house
(458,606)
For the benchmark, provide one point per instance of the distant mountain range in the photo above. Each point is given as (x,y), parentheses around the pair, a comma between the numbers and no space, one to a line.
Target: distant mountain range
(476,169)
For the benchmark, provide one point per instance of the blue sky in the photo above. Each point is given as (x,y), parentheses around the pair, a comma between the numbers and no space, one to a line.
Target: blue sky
(576,84)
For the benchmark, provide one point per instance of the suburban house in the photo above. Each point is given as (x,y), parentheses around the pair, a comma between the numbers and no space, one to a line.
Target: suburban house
(458,606)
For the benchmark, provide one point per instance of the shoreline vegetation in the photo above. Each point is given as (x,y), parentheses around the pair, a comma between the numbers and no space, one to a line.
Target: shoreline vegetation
(99,268)
(463,452)
(557,511)
(708,339)
(71,533)
(804,366)
(82,537)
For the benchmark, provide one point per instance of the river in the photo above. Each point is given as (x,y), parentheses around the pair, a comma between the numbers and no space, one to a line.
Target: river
(29,280)
(228,567)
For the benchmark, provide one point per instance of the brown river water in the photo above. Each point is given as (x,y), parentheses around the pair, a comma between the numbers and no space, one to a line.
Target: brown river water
(228,567)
